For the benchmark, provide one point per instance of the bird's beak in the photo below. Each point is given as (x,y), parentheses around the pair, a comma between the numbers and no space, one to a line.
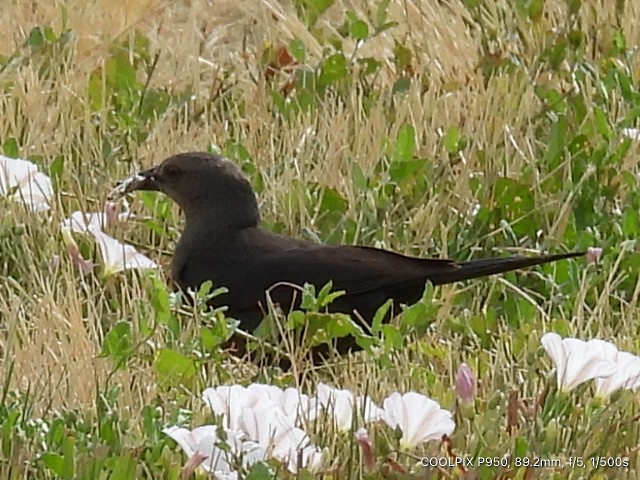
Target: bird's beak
(145,180)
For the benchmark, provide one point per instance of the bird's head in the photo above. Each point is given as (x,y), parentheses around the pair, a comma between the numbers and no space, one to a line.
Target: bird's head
(207,187)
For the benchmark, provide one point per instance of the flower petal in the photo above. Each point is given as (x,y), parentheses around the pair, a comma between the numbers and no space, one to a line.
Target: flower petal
(342,404)
(118,256)
(577,361)
(420,418)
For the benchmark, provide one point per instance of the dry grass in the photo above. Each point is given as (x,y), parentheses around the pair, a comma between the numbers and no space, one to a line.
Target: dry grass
(52,323)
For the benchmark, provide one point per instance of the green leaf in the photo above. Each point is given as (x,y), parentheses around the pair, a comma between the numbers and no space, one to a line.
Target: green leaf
(117,343)
(173,368)
(332,202)
(326,327)
(298,50)
(310,10)
(57,167)
(403,172)
(521,449)
(401,85)
(452,140)
(122,467)
(405,145)
(309,297)
(204,290)
(359,30)
(381,13)
(69,450)
(11,148)
(210,341)
(535,10)
(402,57)
(159,299)
(631,223)
(296,319)
(360,181)
(381,316)
(392,337)
(384,27)
(369,65)
(261,471)
(54,462)
(326,296)
(40,35)
(602,123)
(554,154)
(333,69)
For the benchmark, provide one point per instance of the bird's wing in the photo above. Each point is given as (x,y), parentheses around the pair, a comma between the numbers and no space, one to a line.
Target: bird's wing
(362,269)
(352,269)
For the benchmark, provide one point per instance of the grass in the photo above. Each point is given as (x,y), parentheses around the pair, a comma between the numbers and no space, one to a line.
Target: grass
(481,127)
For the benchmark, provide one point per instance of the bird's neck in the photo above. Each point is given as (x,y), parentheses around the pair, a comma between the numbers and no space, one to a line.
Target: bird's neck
(222,210)
(218,225)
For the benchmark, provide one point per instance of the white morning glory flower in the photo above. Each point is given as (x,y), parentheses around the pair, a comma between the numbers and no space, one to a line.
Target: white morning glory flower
(309,457)
(118,256)
(229,401)
(32,188)
(204,441)
(626,374)
(296,405)
(342,404)
(420,418)
(273,431)
(84,222)
(576,361)
(266,415)
(81,222)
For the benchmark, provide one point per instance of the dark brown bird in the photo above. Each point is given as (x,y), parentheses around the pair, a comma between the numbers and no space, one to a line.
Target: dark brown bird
(223,242)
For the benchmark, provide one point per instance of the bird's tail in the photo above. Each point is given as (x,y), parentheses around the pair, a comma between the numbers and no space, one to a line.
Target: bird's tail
(490,266)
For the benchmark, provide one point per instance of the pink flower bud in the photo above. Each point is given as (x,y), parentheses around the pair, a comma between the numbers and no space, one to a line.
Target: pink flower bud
(111,213)
(190,467)
(465,384)
(362,437)
(593,255)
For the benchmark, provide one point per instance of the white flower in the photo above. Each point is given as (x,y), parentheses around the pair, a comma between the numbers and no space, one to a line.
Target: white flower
(219,461)
(33,188)
(419,418)
(296,405)
(118,256)
(229,401)
(272,430)
(275,432)
(266,415)
(13,171)
(626,375)
(632,133)
(576,361)
(36,192)
(309,457)
(343,403)
(83,222)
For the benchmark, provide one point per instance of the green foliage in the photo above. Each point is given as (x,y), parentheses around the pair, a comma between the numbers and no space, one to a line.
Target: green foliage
(121,91)
(567,177)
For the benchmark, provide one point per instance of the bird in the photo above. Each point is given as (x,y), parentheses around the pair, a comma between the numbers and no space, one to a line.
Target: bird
(223,242)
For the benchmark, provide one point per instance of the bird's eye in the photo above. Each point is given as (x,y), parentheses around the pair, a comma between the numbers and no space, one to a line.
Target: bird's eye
(172,171)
